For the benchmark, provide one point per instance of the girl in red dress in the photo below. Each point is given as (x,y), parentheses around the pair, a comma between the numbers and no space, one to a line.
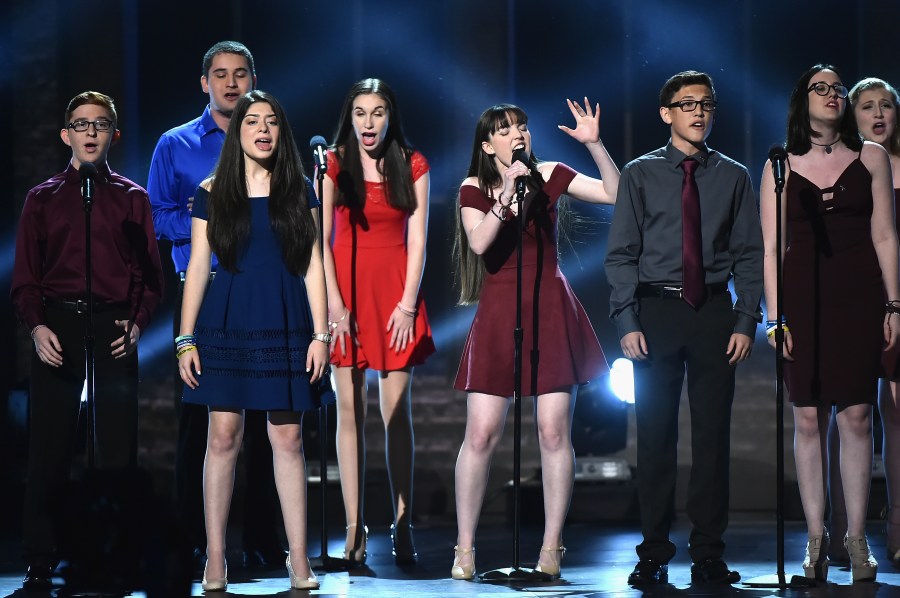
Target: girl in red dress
(375,204)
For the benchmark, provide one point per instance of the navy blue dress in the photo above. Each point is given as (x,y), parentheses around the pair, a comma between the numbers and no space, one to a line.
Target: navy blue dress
(254,328)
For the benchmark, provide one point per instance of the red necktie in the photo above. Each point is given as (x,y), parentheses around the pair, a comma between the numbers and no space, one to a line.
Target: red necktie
(693,278)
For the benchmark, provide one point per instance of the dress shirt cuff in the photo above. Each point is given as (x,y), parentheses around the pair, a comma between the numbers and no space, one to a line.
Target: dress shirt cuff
(745,325)
(627,322)
(142,319)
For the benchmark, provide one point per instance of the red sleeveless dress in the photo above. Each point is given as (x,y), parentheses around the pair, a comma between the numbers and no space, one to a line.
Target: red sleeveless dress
(369,247)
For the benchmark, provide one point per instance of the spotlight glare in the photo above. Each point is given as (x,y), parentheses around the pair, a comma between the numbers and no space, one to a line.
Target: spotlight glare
(621,380)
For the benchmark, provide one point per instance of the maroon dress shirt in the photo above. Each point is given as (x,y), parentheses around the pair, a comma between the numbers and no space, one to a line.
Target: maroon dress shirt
(50,246)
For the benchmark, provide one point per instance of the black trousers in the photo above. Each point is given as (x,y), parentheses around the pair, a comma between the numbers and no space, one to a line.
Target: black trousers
(681,340)
(261,507)
(55,401)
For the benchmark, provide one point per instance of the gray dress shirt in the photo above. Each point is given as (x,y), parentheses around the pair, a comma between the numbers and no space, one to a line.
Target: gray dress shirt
(645,237)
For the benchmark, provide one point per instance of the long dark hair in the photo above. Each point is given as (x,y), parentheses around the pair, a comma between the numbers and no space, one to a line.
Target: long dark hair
(394,156)
(799,131)
(229,207)
(469,266)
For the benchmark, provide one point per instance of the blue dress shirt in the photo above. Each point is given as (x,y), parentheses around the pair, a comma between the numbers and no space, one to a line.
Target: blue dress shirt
(183,158)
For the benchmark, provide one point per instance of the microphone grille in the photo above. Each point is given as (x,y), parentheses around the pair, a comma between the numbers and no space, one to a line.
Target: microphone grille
(777,152)
(88,169)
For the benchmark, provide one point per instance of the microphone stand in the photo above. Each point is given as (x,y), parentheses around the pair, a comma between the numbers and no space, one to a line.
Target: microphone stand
(323,562)
(87,194)
(779,580)
(516,573)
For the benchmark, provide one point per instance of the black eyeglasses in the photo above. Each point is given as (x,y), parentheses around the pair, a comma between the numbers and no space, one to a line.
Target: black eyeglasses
(822,88)
(100,125)
(691,105)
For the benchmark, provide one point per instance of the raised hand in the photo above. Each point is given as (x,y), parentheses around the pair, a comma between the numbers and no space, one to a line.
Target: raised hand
(587,122)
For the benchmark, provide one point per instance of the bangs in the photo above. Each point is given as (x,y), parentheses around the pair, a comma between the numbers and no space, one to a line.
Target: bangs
(506,117)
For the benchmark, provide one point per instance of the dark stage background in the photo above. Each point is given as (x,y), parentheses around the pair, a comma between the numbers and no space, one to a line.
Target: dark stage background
(447,61)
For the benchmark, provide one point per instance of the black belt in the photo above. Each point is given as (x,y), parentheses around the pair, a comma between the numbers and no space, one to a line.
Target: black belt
(672,292)
(80,306)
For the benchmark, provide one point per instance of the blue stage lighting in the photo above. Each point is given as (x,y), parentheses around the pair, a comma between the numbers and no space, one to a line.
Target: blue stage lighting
(7,255)
(157,340)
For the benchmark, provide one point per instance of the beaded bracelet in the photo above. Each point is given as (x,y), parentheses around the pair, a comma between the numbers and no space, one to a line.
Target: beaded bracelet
(36,328)
(503,216)
(892,307)
(405,310)
(185,342)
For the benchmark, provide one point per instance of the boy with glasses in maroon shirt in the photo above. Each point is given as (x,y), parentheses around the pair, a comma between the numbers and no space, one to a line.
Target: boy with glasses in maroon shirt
(49,296)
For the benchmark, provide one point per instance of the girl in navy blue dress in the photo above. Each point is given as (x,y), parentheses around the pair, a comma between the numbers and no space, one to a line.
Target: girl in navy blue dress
(258,332)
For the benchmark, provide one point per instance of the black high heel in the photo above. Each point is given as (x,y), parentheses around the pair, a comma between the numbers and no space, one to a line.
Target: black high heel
(404,555)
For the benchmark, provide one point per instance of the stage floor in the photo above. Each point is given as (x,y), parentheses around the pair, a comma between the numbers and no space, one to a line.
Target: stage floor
(598,562)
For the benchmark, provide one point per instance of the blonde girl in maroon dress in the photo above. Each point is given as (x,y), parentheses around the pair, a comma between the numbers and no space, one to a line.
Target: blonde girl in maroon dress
(375,204)
(554,322)
(875,104)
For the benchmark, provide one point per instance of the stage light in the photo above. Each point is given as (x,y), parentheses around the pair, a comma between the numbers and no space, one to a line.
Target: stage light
(600,421)
(621,380)
(602,469)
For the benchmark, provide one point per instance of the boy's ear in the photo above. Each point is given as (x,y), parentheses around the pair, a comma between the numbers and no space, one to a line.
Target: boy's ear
(116,135)
(64,135)
(664,115)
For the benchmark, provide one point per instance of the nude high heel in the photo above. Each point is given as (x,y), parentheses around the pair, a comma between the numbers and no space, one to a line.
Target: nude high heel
(301,583)
(214,585)
(358,555)
(863,565)
(552,568)
(815,565)
(893,539)
(462,572)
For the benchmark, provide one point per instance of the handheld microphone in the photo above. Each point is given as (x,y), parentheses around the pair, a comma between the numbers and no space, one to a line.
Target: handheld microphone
(318,145)
(520,156)
(777,156)
(88,172)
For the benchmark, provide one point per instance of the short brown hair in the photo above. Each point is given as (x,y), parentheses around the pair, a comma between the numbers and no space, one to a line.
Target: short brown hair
(92,97)
(683,79)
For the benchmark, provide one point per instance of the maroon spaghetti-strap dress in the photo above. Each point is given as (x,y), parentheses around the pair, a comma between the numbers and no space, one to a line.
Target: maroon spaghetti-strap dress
(833,291)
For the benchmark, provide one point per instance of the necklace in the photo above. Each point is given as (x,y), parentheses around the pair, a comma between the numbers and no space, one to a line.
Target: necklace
(827,146)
